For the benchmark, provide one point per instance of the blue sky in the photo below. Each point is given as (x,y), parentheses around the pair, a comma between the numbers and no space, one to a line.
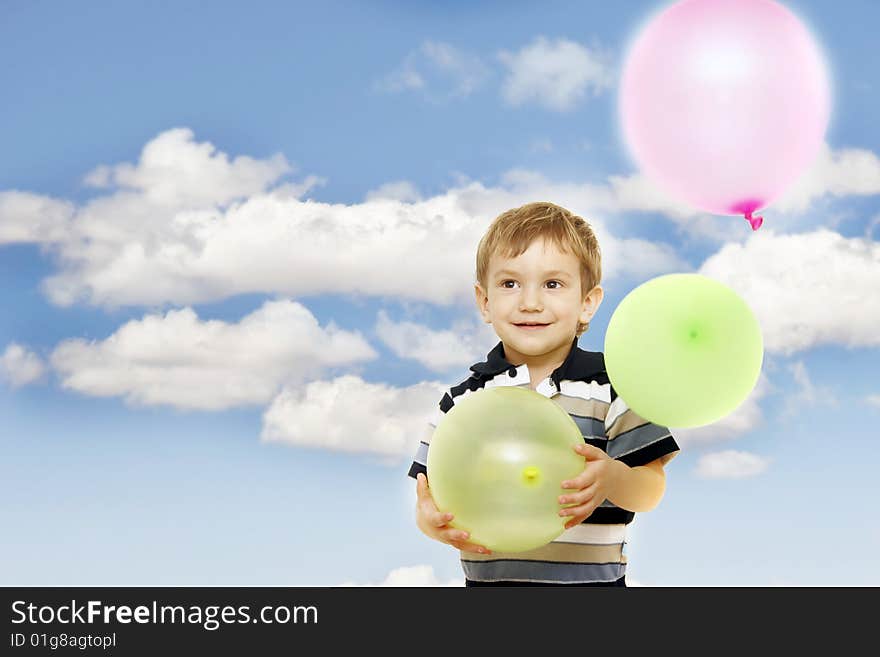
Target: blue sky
(215,220)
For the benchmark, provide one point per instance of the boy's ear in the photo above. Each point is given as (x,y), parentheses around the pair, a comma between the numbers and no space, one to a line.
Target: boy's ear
(482,300)
(591,304)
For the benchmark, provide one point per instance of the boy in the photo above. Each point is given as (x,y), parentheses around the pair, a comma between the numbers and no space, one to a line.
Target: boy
(538,274)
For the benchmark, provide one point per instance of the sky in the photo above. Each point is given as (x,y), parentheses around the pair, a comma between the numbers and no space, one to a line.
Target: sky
(236,267)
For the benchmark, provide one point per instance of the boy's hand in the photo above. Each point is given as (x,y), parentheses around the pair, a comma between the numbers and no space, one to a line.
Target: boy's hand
(592,486)
(436,525)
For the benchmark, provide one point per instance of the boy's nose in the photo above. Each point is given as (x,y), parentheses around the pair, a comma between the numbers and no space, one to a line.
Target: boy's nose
(530,300)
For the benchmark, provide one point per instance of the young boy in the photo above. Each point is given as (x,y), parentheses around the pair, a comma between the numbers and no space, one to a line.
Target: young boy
(538,274)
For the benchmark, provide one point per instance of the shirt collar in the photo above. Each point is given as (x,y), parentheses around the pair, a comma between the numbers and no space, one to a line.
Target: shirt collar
(579,365)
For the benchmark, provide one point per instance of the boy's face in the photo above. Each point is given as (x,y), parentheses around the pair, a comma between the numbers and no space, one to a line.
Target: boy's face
(534,301)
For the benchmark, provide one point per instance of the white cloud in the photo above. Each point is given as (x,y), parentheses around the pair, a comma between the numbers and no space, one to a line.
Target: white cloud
(349,414)
(439,71)
(842,173)
(556,74)
(640,193)
(26,217)
(873,400)
(412,576)
(19,366)
(806,394)
(135,247)
(153,239)
(402,190)
(747,416)
(404,78)
(731,464)
(176,171)
(845,172)
(806,290)
(178,360)
(621,257)
(468,70)
(464,343)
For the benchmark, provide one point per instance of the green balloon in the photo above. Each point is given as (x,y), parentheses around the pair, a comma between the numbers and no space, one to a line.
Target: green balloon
(497,461)
(683,350)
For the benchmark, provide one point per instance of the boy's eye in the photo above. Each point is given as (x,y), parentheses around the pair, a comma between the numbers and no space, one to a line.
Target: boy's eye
(554,285)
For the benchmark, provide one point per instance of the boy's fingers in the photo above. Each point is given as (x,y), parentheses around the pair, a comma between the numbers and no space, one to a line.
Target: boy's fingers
(580,482)
(421,485)
(426,501)
(455,535)
(441,519)
(577,511)
(458,538)
(590,452)
(578,497)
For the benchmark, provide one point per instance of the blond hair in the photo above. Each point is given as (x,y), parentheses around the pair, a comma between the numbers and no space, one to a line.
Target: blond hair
(511,233)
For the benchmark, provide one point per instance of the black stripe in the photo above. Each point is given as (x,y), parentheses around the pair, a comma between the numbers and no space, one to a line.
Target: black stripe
(610,515)
(579,365)
(495,362)
(613,392)
(650,453)
(601,443)
(472,383)
(446,403)
(561,563)
(416,468)
(504,582)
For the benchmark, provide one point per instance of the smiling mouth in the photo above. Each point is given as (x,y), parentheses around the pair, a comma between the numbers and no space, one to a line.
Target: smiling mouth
(531,326)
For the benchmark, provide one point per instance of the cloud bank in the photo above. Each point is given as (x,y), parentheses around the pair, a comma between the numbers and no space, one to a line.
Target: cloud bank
(179,360)
(19,366)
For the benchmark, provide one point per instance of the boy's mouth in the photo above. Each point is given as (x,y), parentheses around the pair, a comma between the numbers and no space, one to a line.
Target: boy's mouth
(531,326)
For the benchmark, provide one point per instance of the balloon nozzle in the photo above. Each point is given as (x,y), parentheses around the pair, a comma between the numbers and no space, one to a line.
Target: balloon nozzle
(531,473)
(754,222)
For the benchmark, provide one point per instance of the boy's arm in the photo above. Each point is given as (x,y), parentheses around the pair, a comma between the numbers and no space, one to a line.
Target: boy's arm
(634,488)
(640,488)
(639,450)
(629,473)
(436,525)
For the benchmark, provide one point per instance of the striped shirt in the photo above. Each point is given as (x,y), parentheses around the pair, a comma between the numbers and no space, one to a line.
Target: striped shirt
(593,550)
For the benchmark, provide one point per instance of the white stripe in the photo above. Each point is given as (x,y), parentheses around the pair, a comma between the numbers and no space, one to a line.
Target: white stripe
(618,407)
(584,390)
(504,379)
(436,416)
(594,534)
(422,454)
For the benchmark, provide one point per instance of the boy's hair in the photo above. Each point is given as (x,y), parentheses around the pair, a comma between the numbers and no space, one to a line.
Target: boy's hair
(511,233)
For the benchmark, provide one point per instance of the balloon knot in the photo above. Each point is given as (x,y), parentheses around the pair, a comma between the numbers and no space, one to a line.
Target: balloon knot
(531,473)
(754,222)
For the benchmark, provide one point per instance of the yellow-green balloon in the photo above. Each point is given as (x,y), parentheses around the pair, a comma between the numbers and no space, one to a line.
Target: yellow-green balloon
(497,461)
(683,350)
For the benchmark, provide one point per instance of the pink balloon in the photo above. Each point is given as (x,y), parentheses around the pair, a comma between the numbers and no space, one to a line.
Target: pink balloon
(725,103)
